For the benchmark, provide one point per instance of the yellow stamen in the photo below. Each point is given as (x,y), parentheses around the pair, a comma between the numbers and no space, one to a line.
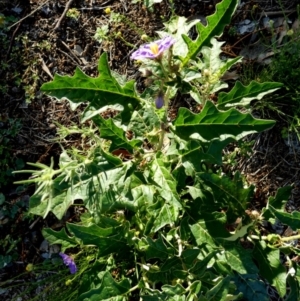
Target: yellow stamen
(154,48)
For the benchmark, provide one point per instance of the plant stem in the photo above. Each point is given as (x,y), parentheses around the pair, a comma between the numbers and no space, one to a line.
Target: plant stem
(290,238)
(134,288)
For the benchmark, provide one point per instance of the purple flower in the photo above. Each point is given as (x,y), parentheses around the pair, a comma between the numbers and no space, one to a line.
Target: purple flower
(159,101)
(69,262)
(154,49)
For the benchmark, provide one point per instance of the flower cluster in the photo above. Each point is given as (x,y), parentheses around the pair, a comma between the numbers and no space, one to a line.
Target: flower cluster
(69,262)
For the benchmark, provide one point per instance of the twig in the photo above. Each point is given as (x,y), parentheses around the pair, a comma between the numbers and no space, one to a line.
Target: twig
(33,224)
(72,52)
(63,14)
(95,7)
(45,67)
(275,13)
(270,171)
(39,7)
(98,7)
(76,63)
(11,41)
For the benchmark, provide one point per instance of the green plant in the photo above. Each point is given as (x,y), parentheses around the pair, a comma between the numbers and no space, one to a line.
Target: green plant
(166,223)
(73,13)
(8,75)
(103,33)
(9,129)
(284,67)
(49,280)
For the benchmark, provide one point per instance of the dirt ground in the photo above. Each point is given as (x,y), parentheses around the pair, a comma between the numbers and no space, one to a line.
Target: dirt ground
(40,41)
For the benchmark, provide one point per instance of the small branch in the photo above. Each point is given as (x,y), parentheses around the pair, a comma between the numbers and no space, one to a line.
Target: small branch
(293,237)
(72,52)
(134,288)
(180,248)
(11,41)
(63,15)
(95,8)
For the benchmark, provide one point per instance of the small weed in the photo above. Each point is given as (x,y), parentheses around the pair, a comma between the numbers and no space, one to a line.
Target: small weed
(9,129)
(73,13)
(102,33)
(284,68)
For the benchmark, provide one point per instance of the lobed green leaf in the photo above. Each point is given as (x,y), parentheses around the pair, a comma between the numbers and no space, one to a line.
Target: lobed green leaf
(241,95)
(214,28)
(98,92)
(212,123)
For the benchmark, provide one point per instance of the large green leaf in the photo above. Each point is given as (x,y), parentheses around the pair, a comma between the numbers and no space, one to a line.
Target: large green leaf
(294,292)
(214,223)
(115,134)
(100,191)
(165,211)
(158,295)
(213,193)
(108,240)
(202,236)
(163,178)
(178,26)
(200,266)
(213,149)
(219,292)
(175,290)
(252,287)
(144,121)
(143,195)
(106,191)
(289,219)
(196,152)
(155,248)
(109,290)
(170,269)
(212,123)
(240,259)
(59,237)
(278,204)
(57,201)
(166,215)
(282,196)
(211,61)
(97,92)
(215,26)
(241,95)
(270,266)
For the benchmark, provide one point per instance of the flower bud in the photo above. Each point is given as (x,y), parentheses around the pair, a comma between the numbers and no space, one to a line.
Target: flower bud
(146,73)
(144,37)
(206,72)
(29,267)
(107,10)
(159,101)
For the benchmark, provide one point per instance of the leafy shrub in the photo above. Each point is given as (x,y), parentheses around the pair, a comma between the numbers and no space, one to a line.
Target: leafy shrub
(166,223)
